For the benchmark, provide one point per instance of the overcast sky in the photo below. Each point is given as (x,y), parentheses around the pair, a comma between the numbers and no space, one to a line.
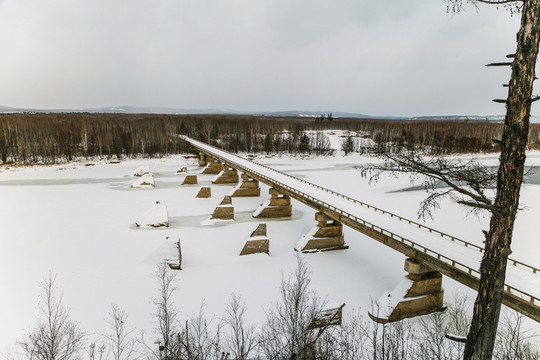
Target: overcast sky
(381,57)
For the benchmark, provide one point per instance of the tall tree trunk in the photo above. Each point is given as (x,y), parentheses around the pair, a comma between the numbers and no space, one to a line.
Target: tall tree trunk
(481,337)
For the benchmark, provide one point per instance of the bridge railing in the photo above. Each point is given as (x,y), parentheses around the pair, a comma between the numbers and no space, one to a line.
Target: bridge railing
(456,264)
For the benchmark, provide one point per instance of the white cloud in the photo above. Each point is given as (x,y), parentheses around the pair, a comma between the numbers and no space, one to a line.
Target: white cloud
(387,57)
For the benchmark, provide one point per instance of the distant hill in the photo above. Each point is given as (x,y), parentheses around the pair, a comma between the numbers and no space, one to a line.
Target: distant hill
(291,113)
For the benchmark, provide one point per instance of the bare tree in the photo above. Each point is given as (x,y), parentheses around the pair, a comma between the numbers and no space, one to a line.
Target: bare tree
(120,343)
(201,339)
(514,342)
(504,206)
(481,337)
(347,145)
(285,334)
(165,313)
(466,182)
(241,340)
(56,336)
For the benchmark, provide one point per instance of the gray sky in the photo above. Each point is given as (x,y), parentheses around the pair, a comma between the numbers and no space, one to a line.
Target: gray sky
(382,57)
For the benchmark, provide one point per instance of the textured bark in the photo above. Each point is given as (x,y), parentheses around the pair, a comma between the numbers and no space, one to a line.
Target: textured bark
(481,337)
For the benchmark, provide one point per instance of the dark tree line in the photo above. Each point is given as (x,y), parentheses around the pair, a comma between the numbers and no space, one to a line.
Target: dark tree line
(51,138)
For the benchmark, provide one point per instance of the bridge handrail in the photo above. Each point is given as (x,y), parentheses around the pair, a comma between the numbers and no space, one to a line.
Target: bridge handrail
(456,264)
(513,262)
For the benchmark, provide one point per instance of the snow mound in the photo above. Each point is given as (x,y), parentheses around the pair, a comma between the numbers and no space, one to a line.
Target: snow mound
(156,216)
(218,175)
(261,208)
(141,170)
(146,180)
(388,301)
(300,244)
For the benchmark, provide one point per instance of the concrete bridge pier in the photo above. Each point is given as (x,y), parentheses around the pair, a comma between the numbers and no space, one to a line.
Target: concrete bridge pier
(279,205)
(326,235)
(248,187)
(213,166)
(228,175)
(419,293)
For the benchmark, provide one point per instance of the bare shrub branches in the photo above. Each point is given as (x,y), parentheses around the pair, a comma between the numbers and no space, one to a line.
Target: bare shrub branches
(55,336)
(120,344)
(285,334)
(240,341)
(165,312)
(455,6)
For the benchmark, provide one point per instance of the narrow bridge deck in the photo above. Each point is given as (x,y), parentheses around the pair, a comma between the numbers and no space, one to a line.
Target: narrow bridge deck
(451,256)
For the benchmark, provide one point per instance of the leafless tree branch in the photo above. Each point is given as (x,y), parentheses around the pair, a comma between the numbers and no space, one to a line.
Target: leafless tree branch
(467,182)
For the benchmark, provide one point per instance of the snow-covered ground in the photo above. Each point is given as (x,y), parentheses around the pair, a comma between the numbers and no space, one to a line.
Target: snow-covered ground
(79,222)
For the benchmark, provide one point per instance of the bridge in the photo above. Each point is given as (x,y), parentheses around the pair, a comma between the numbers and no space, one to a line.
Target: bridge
(429,252)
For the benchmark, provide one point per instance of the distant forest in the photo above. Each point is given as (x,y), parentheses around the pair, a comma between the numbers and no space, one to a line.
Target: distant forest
(52,138)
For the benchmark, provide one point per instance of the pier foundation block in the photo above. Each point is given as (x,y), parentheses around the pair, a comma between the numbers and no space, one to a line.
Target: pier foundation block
(202,159)
(226,176)
(326,235)
(247,187)
(213,166)
(224,211)
(279,205)
(419,293)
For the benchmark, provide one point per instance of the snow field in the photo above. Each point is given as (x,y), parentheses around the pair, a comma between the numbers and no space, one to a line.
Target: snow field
(80,223)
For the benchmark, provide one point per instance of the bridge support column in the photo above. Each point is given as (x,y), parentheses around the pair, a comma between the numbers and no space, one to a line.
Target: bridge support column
(419,293)
(258,242)
(213,166)
(248,187)
(326,235)
(224,211)
(228,175)
(202,159)
(279,205)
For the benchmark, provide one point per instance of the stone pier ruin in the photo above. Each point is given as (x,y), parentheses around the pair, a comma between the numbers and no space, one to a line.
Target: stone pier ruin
(224,211)
(258,242)
(190,180)
(326,235)
(419,293)
(157,216)
(279,205)
(204,192)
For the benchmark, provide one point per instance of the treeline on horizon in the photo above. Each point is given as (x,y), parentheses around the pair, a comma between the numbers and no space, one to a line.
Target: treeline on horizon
(51,138)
